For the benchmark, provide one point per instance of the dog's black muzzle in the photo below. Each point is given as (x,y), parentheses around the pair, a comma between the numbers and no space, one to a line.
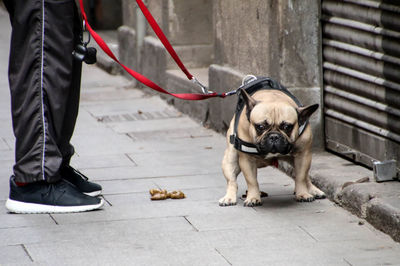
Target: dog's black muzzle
(274,142)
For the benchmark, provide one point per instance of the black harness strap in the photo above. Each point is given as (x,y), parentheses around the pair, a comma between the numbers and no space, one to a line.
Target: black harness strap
(261,83)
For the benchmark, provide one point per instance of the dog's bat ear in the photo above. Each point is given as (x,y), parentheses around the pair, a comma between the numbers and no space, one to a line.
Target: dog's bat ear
(249,101)
(305,112)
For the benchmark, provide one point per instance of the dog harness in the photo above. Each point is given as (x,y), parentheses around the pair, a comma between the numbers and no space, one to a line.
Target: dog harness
(251,87)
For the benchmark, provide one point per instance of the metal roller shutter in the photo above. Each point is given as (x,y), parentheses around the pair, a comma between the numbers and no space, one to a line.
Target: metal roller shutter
(361,72)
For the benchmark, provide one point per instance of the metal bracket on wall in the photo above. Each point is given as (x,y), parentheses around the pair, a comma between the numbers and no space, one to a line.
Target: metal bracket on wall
(385,170)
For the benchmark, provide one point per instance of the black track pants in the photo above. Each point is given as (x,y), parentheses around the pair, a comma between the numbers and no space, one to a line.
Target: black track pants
(45,85)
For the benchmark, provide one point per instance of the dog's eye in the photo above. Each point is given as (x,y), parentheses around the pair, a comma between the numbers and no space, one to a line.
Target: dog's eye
(261,127)
(286,127)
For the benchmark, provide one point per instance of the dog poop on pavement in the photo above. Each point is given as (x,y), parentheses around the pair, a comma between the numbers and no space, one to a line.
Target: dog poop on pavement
(163,194)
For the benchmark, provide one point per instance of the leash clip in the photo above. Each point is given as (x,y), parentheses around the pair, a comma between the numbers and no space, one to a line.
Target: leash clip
(203,88)
(232,92)
(247,79)
(82,36)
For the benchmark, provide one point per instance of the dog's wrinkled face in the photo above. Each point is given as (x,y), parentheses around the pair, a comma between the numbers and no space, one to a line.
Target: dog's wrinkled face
(274,126)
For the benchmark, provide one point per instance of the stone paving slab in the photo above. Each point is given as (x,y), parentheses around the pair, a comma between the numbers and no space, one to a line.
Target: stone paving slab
(184,158)
(175,144)
(127,186)
(293,255)
(18,221)
(5,172)
(95,95)
(194,134)
(298,248)
(122,106)
(229,221)
(87,142)
(123,230)
(5,114)
(146,126)
(15,255)
(133,207)
(124,253)
(94,78)
(94,144)
(103,161)
(6,129)
(140,172)
(114,173)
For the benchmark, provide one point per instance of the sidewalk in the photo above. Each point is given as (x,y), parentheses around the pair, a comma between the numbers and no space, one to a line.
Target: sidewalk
(130,142)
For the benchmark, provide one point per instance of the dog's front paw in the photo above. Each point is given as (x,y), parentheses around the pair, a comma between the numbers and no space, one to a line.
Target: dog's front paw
(304,197)
(252,201)
(318,194)
(227,201)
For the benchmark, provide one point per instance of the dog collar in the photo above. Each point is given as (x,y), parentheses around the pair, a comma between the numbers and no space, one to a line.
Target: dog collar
(251,87)
(242,145)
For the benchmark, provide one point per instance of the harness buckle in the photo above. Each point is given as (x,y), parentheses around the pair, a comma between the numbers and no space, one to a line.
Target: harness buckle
(247,79)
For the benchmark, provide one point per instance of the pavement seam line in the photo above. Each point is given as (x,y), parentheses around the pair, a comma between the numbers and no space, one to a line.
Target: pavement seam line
(108,202)
(5,143)
(54,219)
(194,227)
(130,159)
(116,220)
(347,262)
(27,252)
(223,256)
(305,231)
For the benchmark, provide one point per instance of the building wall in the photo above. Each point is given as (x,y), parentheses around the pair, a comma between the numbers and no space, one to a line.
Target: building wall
(278,38)
(220,41)
(103,14)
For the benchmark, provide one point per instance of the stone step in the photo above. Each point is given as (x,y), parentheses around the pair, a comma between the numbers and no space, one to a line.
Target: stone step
(103,60)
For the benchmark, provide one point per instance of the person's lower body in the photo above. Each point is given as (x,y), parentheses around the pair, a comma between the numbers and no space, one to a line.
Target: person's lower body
(45,86)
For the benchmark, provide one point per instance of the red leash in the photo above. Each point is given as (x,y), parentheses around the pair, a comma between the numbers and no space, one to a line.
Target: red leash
(168,46)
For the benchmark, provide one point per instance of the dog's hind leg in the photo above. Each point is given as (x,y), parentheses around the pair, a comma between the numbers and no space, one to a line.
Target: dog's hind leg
(230,168)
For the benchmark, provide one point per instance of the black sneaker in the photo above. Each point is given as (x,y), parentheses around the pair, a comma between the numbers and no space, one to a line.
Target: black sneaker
(80,181)
(42,197)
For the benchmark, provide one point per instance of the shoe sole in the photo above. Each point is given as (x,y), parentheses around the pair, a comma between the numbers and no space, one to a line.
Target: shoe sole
(93,194)
(31,208)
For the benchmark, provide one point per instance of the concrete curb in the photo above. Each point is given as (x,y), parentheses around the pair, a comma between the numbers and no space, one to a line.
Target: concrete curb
(384,217)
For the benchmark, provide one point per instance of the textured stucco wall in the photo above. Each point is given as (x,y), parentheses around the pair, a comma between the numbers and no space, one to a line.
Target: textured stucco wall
(190,23)
(274,38)
(105,14)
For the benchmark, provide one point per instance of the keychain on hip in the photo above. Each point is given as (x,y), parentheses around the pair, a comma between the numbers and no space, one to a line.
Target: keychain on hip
(84,53)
